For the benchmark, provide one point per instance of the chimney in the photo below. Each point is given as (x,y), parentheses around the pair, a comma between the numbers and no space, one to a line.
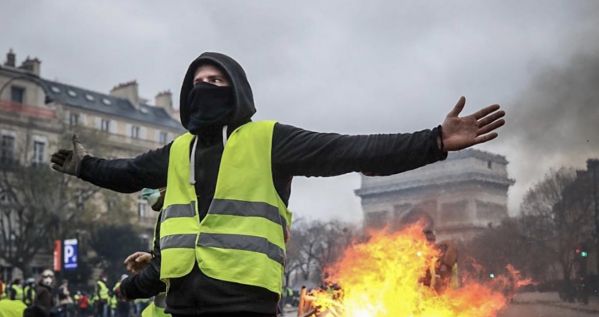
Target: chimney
(31,65)
(11,59)
(129,91)
(164,100)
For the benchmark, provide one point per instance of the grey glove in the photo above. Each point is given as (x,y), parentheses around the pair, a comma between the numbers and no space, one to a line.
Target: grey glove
(69,161)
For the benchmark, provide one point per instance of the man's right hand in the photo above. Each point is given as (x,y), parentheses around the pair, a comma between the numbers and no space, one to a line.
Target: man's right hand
(137,261)
(69,161)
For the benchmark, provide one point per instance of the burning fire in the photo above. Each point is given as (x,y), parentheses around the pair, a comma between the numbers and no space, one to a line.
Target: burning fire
(383,277)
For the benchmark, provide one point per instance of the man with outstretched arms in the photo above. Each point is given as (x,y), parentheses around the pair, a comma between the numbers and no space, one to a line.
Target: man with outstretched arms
(225,219)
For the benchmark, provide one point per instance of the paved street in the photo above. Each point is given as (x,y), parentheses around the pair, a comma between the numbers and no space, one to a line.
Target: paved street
(542,310)
(523,310)
(534,305)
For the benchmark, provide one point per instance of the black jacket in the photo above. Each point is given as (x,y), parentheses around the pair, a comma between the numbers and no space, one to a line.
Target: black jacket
(295,152)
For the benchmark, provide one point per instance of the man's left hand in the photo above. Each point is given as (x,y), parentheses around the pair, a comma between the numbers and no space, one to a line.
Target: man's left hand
(462,132)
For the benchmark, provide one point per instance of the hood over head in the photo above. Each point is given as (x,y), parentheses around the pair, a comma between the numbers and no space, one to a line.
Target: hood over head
(242,92)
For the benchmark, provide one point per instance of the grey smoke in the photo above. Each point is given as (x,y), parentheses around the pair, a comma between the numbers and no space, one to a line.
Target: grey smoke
(555,122)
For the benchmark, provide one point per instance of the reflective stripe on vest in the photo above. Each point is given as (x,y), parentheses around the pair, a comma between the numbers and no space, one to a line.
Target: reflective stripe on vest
(243,242)
(242,237)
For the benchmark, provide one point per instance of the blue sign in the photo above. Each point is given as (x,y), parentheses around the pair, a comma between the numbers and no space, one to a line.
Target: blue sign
(70,254)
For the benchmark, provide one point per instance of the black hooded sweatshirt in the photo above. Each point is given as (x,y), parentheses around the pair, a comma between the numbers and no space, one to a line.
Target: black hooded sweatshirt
(295,152)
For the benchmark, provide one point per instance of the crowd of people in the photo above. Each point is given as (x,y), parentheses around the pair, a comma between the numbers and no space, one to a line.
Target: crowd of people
(46,297)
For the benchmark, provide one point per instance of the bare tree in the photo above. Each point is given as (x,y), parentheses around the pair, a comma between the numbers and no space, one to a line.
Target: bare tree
(314,246)
(38,205)
(557,216)
(497,247)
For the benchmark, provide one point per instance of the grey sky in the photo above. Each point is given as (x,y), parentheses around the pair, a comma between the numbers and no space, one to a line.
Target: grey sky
(332,66)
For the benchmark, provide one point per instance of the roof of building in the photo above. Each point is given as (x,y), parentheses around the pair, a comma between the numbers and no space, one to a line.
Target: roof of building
(115,106)
(458,167)
(483,155)
(86,99)
(444,180)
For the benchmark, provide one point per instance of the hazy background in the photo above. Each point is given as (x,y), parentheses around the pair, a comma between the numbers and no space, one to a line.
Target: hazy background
(348,66)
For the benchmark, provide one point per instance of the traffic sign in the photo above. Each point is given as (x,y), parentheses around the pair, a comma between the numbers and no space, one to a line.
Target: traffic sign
(70,251)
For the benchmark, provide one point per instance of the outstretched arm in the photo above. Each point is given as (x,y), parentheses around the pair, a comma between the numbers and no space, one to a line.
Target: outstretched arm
(297,152)
(122,175)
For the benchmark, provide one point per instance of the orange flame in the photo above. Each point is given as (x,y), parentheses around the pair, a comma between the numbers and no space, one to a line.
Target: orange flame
(383,277)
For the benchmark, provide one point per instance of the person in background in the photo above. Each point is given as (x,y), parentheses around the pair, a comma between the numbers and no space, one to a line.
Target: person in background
(15,290)
(82,304)
(64,299)
(12,308)
(29,291)
(140,263)
(44,301)
(102,297)
(443,272)
(123,307)
(2,294)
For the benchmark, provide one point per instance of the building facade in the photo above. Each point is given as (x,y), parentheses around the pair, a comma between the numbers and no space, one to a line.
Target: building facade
(462,195)
(37,113)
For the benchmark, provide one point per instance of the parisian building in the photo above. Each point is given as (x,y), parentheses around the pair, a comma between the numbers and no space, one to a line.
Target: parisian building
(37,112)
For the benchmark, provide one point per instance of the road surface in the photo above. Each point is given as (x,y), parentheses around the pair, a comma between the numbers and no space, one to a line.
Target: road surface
(522,310)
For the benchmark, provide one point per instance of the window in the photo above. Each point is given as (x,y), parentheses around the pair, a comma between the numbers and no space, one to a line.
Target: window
(73,119)
(162,137)
(105,125)
(489,164)
(39,149)
(142,209)
(17,94)
(7,149)
(3,196)
(134,132)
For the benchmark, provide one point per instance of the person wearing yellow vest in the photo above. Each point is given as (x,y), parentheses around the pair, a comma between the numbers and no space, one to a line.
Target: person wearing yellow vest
(139,263)
(225,218)
(29,291)
(12,307)
(102,308)
(156,308)
(15,290)
(443,272)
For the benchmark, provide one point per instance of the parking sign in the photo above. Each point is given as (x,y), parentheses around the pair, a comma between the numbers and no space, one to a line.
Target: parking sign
(70,254)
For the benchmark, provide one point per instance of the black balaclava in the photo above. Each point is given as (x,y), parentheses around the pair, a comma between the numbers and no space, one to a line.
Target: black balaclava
(210,107)
(241,92)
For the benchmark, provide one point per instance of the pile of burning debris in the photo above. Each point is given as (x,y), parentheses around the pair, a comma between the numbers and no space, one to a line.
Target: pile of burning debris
(403,274)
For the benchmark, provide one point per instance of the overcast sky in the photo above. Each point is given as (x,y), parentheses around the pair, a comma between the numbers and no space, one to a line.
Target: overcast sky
(339,66)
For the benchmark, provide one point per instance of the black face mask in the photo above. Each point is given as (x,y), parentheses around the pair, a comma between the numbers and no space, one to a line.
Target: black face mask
(210,107)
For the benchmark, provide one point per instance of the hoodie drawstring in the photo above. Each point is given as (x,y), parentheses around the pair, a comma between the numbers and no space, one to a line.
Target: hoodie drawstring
(192,160)
(192,164)
(225,127)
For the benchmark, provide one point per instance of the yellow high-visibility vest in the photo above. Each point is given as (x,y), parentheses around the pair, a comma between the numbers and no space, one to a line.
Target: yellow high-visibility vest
(156,307)
(12,308)
(242,237)
(103,291)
